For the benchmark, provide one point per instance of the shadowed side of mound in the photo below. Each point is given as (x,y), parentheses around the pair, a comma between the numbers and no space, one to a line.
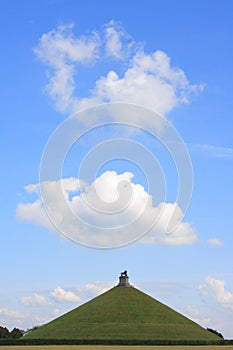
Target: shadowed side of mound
(122,313)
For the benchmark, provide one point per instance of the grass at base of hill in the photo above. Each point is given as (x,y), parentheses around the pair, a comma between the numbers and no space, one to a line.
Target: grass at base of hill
(142,331)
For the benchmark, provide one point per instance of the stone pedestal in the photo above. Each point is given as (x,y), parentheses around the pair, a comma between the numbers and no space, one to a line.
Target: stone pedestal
(123,281)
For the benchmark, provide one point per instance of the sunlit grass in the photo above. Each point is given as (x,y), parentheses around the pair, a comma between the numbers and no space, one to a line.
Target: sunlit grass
(122,313)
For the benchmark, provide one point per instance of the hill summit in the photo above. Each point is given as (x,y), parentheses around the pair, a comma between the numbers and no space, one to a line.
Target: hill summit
(122,312)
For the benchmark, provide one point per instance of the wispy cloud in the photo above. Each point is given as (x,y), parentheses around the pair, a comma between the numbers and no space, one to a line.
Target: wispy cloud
(215,242)
(5,312)
(212,151)
(116,41)
(12,318)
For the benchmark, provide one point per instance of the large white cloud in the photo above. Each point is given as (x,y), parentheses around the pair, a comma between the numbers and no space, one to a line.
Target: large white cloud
(147,79)
(111,201)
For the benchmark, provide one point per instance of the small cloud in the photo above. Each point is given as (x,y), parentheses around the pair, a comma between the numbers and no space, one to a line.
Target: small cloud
(215,242)
(60,295)
(90,290)
(216,289)
(35,299)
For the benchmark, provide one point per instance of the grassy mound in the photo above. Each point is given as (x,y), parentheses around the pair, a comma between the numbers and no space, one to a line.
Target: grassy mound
(122,313)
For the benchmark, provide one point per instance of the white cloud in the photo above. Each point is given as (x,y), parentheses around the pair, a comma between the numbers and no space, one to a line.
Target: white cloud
(184,234)
(216,289)
(215,242)
(148,79)
(60,295)
(60,50)
(35,212)
(113,44)
(117,41)
(60,45)
(90,290)
(35,299)
(110,211)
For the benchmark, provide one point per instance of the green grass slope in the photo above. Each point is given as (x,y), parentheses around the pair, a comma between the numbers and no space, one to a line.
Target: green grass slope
(122,313)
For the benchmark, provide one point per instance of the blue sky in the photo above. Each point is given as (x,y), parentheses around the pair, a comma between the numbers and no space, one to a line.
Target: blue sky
(174,58)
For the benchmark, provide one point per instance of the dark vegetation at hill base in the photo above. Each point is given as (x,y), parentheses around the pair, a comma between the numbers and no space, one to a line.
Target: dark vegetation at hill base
(25,342)
(6,334)
(123,314)
(215,332)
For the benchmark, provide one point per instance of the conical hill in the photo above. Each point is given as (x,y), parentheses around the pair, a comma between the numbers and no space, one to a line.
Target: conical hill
(122,313)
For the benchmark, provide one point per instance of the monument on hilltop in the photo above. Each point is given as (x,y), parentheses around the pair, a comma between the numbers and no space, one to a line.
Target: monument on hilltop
(124,280)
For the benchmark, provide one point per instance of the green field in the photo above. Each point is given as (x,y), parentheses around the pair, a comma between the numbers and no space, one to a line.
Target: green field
(97,347)
(122,313)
